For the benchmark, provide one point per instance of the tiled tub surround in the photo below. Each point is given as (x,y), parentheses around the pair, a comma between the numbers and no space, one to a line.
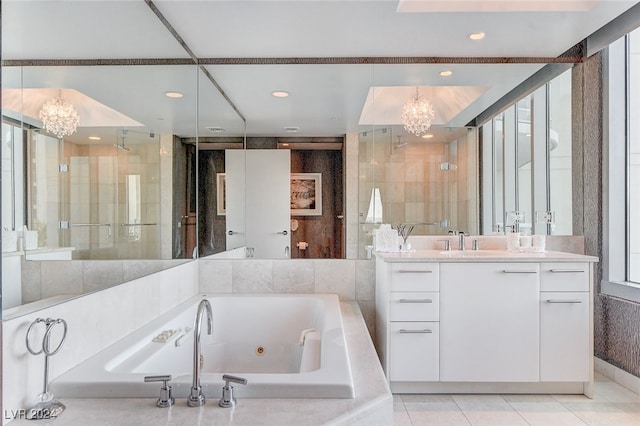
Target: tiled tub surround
(372,405)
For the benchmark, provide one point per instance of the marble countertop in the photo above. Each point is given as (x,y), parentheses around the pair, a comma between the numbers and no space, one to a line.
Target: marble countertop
(482,256)
(373,404)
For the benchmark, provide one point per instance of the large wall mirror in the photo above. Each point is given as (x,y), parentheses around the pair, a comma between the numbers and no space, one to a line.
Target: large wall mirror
(173,160)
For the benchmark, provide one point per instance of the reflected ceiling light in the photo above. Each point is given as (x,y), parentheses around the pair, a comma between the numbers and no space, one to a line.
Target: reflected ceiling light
(173,95)
(280,94)
(446,73)
(417,115)
(427,136)
(95,138)
(476,36)
(59,117)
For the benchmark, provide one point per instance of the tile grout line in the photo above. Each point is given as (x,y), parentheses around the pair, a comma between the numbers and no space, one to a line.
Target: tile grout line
(461,410)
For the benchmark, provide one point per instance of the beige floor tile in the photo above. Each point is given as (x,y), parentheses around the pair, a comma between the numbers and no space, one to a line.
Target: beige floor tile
(546,413)
(435,413)
(605,413)
(613,392)
(528,398)
(426,398)
(488,410)
(401,418)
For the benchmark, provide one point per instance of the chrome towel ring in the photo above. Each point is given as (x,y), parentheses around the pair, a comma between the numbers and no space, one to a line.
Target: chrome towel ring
(49,325)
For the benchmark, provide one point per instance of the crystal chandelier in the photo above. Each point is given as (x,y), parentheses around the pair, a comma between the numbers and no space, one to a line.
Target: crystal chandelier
(417,115)
(59,117)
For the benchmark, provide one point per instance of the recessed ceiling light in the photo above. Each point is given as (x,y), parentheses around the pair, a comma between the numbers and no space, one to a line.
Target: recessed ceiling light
(427,136)
(476,36)
(95,138)
(292,129)
(446,73)
(215,129)
(280,94)
(174,95)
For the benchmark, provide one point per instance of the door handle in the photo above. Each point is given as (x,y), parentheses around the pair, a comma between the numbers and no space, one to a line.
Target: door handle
(283,232)
(425,331)
(506,271)
(232,232)
(415,301)
(563,301)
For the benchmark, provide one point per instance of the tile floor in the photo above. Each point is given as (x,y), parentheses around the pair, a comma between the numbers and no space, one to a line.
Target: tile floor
(612,405)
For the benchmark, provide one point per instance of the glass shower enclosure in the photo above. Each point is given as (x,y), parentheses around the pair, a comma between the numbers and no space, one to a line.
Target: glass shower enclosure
(99,199)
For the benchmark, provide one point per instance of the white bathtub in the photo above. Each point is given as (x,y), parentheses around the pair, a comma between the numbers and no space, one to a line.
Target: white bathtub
(286,346)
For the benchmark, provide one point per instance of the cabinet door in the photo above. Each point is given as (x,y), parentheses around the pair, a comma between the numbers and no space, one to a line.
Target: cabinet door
(414,351)
(489,322)
(564,336)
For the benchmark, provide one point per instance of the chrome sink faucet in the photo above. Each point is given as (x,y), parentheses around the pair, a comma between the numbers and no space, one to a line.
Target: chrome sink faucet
(196,398)
(461,241)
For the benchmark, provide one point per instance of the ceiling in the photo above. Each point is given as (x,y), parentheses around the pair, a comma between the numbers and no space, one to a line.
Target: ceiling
(326,99)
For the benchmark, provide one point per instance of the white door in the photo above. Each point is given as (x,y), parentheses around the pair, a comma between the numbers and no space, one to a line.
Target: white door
(231,191)
(268,196)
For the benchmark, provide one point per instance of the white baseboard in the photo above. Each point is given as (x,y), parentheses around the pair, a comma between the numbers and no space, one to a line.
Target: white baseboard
(615,374)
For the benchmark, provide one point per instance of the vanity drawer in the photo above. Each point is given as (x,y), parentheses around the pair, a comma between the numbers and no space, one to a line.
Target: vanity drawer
(415,277)
(414,351)
(564,276)
(414,306)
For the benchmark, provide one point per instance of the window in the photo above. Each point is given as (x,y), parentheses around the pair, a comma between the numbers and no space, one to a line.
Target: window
(633,142)
(621,174)
(527,155)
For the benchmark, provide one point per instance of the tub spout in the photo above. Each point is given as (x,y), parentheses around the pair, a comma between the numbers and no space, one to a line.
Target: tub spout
(196,398)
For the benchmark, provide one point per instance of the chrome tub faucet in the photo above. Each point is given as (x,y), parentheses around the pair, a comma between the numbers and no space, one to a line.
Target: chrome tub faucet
(196,398)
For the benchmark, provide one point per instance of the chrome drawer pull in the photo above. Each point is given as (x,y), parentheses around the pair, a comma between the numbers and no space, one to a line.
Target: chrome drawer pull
(415,301)
(405,331)
(506,271)
(563,301)
(414,271)
(557,271)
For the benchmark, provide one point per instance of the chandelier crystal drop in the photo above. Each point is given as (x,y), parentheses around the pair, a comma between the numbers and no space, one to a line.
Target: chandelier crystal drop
(59,117)
(417,115)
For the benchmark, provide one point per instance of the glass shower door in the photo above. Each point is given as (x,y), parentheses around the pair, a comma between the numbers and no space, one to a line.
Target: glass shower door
(138,197)
(100,199)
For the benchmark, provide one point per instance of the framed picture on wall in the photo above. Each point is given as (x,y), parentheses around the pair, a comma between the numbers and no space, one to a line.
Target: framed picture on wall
(221,192)
(306,194)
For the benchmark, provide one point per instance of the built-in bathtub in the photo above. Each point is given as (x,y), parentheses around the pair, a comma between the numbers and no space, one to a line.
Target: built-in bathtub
(286,346)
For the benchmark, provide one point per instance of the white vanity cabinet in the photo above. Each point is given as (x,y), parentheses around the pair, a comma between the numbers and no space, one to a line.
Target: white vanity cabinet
(565,322)
(459,323)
